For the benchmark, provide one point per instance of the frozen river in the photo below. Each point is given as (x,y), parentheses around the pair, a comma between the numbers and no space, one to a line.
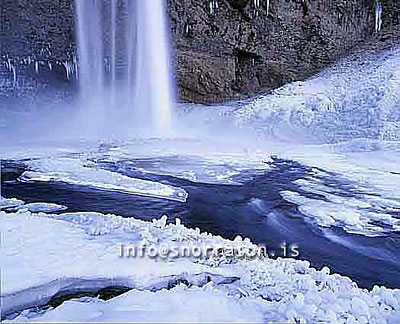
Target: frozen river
(252,206)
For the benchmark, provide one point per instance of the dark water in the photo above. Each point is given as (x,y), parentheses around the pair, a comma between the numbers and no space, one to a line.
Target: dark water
(254,209)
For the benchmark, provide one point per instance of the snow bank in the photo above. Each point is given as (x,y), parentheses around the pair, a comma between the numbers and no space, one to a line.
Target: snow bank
(370,165)
(10,203)
(217,161)
(179,305)
(357,98)
(19,205)
(345,206)
(76,172)
(351,219)
(41,207)
(45,254)
(69,251)
(353,185)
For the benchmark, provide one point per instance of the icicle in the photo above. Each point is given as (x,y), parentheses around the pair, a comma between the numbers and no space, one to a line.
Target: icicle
(76,66)
(267,7)
(256,4)
(213,4)
(65,64)
(9,63)
(14,72)
(378,15)
(68,69)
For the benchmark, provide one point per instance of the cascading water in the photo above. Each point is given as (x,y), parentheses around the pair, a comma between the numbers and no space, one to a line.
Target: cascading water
(124,64)
(152,74)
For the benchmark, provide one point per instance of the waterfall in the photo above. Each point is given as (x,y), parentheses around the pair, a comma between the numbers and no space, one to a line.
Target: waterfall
(152,63)
(90,47)
(125,80)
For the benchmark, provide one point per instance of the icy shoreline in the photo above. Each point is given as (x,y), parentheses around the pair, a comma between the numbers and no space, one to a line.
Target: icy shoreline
(71,252)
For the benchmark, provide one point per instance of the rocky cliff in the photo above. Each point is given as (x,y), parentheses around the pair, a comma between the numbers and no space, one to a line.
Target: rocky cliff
(224,49)
(242,48)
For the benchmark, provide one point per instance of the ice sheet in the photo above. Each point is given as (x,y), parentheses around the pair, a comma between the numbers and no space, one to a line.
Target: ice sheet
(74,171)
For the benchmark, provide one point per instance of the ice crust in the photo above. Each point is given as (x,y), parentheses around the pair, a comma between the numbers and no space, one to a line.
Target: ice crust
(72,251)
(74,171)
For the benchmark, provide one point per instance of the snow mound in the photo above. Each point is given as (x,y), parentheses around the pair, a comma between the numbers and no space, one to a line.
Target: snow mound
(349,208)
(354,99)
(41,207)
(9,203)
(216,162)
(76,172)
(71,252)
(371,165)
(178,305)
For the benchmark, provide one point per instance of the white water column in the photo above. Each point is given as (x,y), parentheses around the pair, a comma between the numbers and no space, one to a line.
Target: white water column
(153,75)
(90,47)
(125,79)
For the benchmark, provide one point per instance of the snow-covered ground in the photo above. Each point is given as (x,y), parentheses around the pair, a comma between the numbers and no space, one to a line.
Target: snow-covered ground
(177,305)
(44,255)
(357,98)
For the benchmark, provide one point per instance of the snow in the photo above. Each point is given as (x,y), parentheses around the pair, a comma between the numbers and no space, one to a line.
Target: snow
(216,162)
(72,252)
(374,169)
(351,219)
(57,253)
(9,203)
(74,171)
(20,206)
(360,213)
(179,305)
(356,98)
(41,207)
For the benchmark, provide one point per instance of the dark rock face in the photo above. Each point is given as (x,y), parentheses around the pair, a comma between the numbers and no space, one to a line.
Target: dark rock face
(391,13)
(32,31)
(37,28)
(225,49)
(241,49)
